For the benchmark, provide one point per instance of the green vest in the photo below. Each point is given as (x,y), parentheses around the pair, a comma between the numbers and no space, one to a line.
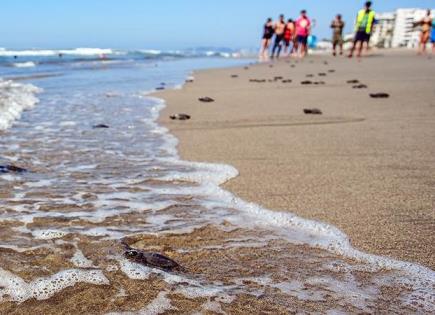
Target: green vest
(365,20)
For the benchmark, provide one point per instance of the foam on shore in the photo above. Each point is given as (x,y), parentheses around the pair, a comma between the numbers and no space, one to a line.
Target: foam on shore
(14,99)
(13,288)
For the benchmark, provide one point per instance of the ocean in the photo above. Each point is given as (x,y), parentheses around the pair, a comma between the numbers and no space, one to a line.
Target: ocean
(87,190)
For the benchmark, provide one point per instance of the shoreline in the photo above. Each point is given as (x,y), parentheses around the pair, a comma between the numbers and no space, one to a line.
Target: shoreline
(207,138)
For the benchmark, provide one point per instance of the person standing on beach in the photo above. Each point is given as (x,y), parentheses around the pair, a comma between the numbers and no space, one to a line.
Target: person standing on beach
(267,37)
(288,37)
(337,26)
(432,37)
(426,24)
(279,36)
(303,29)
(364,26)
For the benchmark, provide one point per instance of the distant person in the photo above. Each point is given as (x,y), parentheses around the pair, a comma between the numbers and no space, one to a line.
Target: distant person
(303,29)
(426,24)
(337,26)
(288,37)
(267,37)
(279,36)
(432,38)
(364,28)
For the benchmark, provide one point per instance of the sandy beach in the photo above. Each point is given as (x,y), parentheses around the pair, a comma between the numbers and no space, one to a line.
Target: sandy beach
(366,165)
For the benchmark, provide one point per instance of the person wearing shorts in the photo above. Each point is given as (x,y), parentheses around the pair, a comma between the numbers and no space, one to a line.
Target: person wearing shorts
(303,28)
(432,37)
(337,26)
(364,27)
(279,36)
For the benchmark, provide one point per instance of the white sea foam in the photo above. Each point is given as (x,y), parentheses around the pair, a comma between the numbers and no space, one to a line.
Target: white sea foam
(159,305)
(48,234)
(28,64)
(14,99)
(14,288)
(49,52)
(79,260)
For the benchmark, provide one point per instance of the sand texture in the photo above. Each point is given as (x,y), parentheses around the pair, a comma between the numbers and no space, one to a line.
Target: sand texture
(366,165)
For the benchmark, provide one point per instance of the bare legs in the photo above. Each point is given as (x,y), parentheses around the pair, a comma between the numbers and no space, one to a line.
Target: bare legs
(264,52)
(334,48)
(359,45)
(303,50)
(424,38)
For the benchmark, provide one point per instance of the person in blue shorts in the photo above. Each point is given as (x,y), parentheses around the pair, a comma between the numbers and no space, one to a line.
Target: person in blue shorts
(432,36)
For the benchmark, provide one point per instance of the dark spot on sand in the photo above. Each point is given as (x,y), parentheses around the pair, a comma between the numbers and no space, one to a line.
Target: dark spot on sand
(206,99)
(306,82)
(278,78)
(379,95)
(287,81)
(360,86)
(180,117)
(100,126)
(310,75)
(234,76)
(331,71)
(322,74)
(352,81)
(246,68)
(150,259)
(293,66)
(312,111)
(4,169)
(160,88)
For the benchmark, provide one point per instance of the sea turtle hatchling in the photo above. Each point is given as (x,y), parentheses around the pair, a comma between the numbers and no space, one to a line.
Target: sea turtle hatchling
(150,259)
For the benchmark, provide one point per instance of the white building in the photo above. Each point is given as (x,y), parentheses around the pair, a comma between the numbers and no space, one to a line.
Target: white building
(383,30)
(397,29)
(405,34)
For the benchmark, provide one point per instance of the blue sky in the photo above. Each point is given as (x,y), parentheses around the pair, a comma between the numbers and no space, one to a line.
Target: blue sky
(162,24)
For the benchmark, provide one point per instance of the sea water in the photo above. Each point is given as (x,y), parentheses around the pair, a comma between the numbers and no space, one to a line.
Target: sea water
(62,222)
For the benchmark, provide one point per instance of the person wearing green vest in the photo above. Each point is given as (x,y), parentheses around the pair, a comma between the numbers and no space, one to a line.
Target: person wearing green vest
(364,26)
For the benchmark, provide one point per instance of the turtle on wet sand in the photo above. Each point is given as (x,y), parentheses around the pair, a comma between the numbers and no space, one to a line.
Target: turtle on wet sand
(150,259)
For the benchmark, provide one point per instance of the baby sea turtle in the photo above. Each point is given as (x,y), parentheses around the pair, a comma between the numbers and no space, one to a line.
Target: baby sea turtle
(180,117)
(380,95)
(312,111)
(306,82)
(360,86)
(206,99)
(353,81)
(149,259)
(101,126)
(11,169)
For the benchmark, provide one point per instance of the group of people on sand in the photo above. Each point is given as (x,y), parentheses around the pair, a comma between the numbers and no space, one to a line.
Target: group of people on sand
(293,35)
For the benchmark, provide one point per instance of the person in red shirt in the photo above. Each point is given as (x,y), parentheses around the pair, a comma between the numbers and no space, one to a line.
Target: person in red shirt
(303,29)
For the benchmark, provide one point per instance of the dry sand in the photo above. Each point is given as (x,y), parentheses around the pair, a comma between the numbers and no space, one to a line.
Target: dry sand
(366,165)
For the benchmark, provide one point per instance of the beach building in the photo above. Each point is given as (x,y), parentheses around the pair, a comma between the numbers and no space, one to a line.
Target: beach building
(383,31)
(396,29)
(405,34)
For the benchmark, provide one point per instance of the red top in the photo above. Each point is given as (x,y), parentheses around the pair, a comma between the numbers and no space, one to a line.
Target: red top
(288,33)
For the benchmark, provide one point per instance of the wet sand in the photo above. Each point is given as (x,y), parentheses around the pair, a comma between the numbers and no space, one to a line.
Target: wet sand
(366,165)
